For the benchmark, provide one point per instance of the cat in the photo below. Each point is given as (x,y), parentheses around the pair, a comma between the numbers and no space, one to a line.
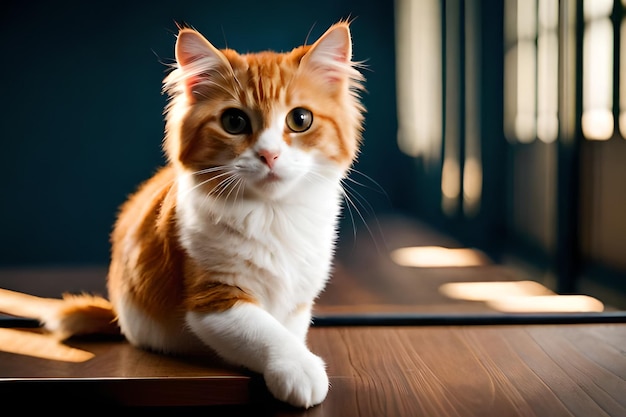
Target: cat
(229,244)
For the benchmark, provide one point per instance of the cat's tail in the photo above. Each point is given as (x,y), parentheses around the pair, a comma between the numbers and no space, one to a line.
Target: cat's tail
(73,315)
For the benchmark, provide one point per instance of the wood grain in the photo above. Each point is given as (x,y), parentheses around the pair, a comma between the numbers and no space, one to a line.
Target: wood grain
(475,371)
(538,370)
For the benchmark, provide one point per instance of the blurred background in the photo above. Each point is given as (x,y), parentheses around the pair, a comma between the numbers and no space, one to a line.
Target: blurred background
(498,123)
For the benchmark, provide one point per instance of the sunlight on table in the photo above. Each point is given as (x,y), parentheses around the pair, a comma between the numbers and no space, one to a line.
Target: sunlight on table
(38,345)
(520,297)
(438,256)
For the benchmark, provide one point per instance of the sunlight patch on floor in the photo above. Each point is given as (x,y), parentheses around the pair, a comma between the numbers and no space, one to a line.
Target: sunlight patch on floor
(547,304)
(438,256)
(520,297)
(40,346)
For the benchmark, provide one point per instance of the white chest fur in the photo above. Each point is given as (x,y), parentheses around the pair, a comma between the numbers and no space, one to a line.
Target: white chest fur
(281,251)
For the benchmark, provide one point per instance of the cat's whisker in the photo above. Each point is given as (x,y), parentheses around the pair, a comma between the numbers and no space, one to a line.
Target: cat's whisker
(240,189)
(224,185)
(217,190)
(378,188)
(349,203)
(231,185)
(353,196)
(208,170)
(189,191)
(356,204)
(360,198)
(369,210)
(202,171)
(227,172)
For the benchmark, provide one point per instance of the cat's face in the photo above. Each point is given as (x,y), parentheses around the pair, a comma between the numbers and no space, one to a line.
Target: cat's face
(261,124)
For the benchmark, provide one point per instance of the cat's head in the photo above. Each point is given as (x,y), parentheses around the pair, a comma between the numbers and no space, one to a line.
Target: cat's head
(265,122)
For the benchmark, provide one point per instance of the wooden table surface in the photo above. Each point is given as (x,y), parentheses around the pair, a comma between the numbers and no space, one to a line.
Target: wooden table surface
(410,370)
(530,370)
(558,370)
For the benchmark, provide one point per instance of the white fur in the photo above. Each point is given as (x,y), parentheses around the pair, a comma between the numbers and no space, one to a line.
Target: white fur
(276,244)
(141,330)
(250,336)
(275,241)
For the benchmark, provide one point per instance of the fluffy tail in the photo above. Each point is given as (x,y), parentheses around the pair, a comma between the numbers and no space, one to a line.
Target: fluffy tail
(73,315)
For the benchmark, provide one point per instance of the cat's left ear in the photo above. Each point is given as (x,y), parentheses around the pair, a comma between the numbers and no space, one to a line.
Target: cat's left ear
(198,59)
(331,55)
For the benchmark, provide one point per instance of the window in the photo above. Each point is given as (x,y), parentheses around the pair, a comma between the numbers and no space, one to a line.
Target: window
(438,71)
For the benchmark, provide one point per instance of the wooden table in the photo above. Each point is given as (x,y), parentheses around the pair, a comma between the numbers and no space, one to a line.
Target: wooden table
(558,370)
(423,367)
(510,370)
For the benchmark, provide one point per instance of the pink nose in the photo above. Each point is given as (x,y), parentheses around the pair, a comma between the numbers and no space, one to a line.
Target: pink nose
(269,157)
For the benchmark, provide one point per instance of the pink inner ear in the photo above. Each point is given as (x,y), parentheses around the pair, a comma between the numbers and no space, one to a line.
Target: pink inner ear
(332,78)
(341,55)
(191,83)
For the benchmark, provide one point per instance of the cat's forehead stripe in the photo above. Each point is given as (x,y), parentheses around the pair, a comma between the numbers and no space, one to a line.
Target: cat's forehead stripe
(265,77)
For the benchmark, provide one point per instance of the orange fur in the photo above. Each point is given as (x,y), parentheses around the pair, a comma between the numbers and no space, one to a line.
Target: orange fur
(146,262)
(227,246)
(86,314)
(148,265)
(260,75)
(211,297)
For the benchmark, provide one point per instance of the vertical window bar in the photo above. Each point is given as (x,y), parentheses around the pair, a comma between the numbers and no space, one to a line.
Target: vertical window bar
(621,73)
(451,170)
(567,69)
(472,167)
(510,69)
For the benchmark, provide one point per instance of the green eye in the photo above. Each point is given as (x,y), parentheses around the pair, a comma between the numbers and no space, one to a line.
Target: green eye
(236,122)
(299,119)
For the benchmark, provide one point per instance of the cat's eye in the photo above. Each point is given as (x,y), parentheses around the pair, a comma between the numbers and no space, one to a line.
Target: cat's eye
(236,122)
(299,119)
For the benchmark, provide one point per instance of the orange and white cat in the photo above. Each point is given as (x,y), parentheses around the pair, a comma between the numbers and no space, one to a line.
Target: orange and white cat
(230,243)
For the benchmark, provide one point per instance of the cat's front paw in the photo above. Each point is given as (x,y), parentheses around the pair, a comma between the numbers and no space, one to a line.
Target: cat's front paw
(300,381)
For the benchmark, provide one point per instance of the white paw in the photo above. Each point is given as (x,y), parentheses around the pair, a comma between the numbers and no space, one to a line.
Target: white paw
(299,380)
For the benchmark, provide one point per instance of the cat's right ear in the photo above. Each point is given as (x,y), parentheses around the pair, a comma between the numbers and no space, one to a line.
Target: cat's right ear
(197,59)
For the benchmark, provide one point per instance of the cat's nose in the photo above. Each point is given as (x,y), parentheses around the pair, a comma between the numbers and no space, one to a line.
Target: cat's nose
(269,157)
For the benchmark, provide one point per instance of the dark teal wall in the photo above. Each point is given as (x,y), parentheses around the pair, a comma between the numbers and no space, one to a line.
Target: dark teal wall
(81,106)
